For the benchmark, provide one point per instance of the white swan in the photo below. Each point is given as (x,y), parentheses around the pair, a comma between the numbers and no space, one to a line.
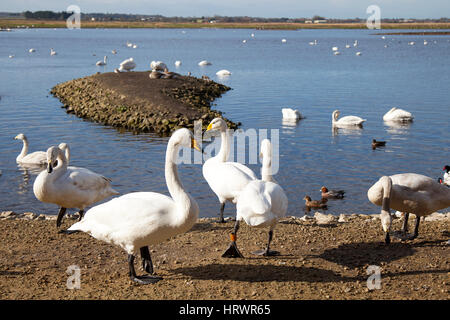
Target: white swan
(446,176)
(36,158)
(346,121)
(225,178)
(52,52)
(127,65)
(291,114)
(260,204)
(158,65)
(409,193)
(102,63)
(69,187)
(177,63)
(358,53)
(32,50)
(283,40)
(204,63)
(114,51)
(223,72)
(336,53)
(335,48)
(139,219)
(396,114)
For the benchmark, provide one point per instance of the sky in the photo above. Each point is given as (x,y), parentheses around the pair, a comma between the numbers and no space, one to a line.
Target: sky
(419,9)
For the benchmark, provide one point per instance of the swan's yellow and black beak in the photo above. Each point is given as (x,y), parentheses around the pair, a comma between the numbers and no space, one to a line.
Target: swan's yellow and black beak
(209,127)
(49,167)
(194,145)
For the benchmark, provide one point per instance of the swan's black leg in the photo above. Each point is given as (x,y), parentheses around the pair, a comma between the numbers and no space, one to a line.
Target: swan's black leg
(147,279)
(416,229)
(81,213)
(147,263)
(61,213)
(222,208)
(405,223)
(233,251)
(387,238)
(267,252)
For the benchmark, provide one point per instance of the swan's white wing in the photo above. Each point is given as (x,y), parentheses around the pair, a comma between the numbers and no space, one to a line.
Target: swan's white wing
(84,179)
(351,119)
(38,157)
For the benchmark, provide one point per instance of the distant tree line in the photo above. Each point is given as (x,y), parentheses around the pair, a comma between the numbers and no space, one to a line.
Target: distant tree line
(50,15)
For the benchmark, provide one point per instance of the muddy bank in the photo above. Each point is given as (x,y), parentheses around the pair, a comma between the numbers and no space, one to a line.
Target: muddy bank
(134,102)
(319,259)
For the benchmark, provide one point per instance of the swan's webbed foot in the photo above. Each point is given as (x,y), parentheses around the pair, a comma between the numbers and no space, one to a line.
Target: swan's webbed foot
(404,236)
(147,279)
(68,231)
(232,251)
(266,252)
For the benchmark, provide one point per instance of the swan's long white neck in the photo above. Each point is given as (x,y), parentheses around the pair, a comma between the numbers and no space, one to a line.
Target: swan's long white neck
(224,146)
(335,116)
(176,189)
(61,168)
(24,151)
(266,169)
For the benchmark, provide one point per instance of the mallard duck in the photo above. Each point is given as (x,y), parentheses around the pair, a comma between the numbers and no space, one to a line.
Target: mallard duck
(332,194)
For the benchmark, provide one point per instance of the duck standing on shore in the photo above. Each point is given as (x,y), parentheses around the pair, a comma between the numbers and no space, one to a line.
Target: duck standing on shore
(139,219)
(69,187)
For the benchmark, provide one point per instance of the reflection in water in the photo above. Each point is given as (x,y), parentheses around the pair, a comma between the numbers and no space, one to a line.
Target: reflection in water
(290,122)
(27,171)
(350,130)
(396,127)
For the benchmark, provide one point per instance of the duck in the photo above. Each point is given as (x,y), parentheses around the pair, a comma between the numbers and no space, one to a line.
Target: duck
(223,72)
(158,65)
(346,121)
(225,178)
(138,220)
(291,114)
(262,203)
(376,144)
(315,203)
(38,158)
(332,194)
(204,63)
(69,187)
(127,65)
(446,179)
(102,63)
(408,193)
(397,114)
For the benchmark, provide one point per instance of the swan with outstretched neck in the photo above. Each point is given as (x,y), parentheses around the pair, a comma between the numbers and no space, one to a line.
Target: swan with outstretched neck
(139,219)
(260,204)
(408,193)
(69,187)
(226,179)
(37,158)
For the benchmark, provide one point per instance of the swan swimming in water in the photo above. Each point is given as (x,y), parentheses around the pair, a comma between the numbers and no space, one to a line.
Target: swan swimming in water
(69,187)
(346,121)
(223,72)
(52,52)
(260,204)
(204,63)
(102,63)
(225,178)
(408,193)
(139,219)
(36,158)
(291,114)
(397,114)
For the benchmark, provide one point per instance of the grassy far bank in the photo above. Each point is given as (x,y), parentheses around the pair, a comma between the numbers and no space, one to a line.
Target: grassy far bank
(10,23)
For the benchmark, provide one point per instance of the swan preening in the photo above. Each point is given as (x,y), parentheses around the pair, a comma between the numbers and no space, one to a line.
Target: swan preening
(127,65)
(260,204)
(226,179)
(290,114)
(69,187)
(408,193)
(396,114)
(139,219)
(102,63)
(38,158)
(346,121)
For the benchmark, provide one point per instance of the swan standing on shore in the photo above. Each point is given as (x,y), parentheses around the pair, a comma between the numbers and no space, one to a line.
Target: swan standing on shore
(158,65)
(102,63)
(260,204)
(226,179)
(408,193)
(446,177)
(127,65)
(346,121)
(36,158)
(69,187)
(396,114)
(139,219)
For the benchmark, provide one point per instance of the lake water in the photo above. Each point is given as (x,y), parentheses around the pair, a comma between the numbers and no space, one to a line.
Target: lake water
(267,75)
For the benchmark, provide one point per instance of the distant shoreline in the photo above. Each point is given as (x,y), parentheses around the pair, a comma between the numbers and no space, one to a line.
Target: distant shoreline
(21,23)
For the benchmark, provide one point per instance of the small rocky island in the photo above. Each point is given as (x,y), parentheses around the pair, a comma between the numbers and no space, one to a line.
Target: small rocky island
(133,101)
